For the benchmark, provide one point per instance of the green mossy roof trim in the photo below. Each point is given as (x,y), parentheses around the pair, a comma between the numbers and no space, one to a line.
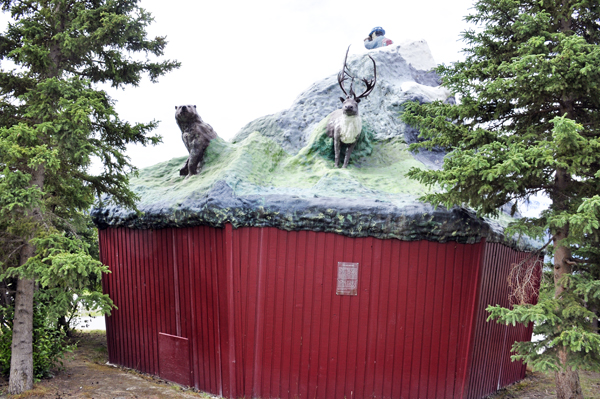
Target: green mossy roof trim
(257,183)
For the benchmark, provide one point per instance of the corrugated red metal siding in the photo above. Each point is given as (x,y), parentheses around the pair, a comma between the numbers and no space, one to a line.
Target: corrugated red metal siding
(404,335)
(164,281)
(260,310)
(490,366)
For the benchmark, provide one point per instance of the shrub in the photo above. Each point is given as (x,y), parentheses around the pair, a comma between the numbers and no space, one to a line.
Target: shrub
(49,342)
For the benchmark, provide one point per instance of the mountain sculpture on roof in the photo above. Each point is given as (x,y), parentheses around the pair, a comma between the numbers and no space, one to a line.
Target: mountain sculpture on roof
(405,73)
(279,169)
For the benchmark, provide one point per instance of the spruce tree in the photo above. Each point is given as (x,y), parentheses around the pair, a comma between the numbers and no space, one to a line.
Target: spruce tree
(527,123)
(54,120)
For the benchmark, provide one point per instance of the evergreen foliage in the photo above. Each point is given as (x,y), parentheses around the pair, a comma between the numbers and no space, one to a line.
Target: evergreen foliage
(54,121)
(528,123)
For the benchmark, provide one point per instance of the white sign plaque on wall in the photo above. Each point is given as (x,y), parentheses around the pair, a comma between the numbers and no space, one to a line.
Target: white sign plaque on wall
(347,279)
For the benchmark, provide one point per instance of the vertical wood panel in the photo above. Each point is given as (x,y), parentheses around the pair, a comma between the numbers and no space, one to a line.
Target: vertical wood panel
(332,314)
(299,302)
(383,319)
(468,343)
(241,288)
(351,330)
(439,272)
(223,313)
(308,317)
(196,248)
(289,346)
(445,322)
(204,317)
(217,260)
(204,303)
(151,255)
(119,288)
(128,288)
(277,333)
(362,319)
(107,285)
(419,384)
(400,349)
(142,303)
(259,326)
(121,319)
(266,349)
(318,348)
(392,253)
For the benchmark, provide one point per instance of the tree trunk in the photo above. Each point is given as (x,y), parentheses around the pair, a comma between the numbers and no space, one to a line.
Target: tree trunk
(21,362)
(65,325)
(567,380)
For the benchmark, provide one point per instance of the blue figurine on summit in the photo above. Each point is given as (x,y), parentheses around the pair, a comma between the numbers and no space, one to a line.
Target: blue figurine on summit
(377,39)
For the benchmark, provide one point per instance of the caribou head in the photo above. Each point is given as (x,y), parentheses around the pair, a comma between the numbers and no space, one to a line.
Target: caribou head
(350,103)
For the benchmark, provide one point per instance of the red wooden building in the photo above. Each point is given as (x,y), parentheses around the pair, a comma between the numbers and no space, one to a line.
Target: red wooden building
(263,312)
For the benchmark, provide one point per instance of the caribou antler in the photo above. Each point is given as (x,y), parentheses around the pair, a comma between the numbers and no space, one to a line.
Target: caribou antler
(342,76)
(369,83)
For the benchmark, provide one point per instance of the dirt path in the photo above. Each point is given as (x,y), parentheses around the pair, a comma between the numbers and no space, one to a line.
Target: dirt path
(86,375)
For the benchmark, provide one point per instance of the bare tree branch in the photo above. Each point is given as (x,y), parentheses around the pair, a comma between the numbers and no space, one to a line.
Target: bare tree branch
(524,279)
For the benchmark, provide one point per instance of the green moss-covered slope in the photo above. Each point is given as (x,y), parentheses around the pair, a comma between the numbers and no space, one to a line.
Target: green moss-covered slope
(256,183)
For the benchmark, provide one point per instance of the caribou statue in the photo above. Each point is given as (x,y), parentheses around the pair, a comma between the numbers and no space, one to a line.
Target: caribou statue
(345,124)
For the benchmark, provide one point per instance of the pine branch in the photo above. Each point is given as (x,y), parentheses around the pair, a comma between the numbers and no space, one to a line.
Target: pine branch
(10,255)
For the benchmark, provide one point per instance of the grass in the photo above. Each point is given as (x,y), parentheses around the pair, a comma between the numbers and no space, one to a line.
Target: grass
(37,391)
(540,385)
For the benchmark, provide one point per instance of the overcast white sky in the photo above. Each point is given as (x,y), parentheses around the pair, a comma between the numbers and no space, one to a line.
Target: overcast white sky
(244,59)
